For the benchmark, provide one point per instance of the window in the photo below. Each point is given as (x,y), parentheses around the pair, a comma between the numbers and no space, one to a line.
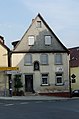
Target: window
(44,79)
(44,59)
(36,65)
(58,58)
(47,40)
(28,59)
(31,40)
(59,79)
(38,24)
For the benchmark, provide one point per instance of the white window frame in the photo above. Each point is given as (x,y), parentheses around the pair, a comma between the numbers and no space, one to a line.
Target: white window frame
(44,59)
(44,76)
(60,76)
(48,40)
(58,58)
(26,61)
(31,40)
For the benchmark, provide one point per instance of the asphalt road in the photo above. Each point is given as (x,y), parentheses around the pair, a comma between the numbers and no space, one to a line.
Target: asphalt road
(66,109)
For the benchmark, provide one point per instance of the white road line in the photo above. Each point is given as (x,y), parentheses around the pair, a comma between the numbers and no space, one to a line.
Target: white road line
(9,104)
(22,103)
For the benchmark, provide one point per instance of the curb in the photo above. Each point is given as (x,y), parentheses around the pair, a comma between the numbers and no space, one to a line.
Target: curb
(34,98)
(38,98)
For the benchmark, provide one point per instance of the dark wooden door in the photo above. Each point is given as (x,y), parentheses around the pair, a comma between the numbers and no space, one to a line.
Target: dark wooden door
(28,83)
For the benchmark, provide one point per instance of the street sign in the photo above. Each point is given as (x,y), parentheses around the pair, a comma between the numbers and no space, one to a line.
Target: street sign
(8,68)
(73,76)
(12,72)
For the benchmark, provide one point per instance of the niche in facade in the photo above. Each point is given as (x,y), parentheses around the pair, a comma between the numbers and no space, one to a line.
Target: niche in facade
(36,66)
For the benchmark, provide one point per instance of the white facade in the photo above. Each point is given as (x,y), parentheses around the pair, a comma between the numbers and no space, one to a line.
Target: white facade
(47,67)
(3,63)
(51,69)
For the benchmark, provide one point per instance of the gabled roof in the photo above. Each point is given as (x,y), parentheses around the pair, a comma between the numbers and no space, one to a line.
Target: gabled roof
(66,50)
(52,32)
(4,46)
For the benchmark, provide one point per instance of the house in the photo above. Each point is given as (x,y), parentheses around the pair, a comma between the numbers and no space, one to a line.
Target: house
(74,67)
(42,59)
(4,63)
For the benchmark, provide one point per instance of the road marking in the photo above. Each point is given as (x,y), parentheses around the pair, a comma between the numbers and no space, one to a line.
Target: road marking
(24,103)
(9,104)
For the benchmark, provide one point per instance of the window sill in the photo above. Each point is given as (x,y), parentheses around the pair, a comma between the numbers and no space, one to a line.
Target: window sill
(27,64)
(31,45)
(47,44)
(45,85)
(58,63)
(44,64)
(60,84)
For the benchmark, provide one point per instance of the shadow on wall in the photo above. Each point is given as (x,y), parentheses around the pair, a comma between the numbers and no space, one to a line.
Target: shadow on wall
(38,47)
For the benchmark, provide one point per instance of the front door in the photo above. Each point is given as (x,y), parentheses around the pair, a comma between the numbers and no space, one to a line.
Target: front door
(29,83)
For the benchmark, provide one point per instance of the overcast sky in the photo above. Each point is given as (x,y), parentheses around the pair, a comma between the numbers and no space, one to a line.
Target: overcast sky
(61,15)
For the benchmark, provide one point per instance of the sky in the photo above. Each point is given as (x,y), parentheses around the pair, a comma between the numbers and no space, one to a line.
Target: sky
(62,16)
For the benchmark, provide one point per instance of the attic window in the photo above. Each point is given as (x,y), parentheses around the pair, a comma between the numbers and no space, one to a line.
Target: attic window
(48,40)
(31,40)
(38,24)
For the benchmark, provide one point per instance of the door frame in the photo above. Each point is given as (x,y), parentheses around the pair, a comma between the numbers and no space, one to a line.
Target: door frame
(28,80)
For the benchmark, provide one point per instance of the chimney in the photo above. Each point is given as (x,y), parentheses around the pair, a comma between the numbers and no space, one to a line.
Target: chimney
(33,20)
(2,39)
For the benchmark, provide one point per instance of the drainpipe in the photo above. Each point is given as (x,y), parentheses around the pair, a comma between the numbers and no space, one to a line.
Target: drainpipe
(70,88)
(9,75)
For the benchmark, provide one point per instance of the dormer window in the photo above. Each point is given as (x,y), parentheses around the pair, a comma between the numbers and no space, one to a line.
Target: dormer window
(31,40)
(38,24)
(48,40)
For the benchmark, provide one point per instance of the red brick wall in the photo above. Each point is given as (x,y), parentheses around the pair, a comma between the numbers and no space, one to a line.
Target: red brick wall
(59,94)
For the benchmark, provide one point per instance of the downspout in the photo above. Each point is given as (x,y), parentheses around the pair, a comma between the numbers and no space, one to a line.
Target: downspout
(9,75)
(70,88)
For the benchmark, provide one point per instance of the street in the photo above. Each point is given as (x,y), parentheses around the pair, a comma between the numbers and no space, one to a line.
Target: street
(65,109)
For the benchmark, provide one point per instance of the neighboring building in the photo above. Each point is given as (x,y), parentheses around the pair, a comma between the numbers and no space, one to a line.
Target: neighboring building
(4,62)
(74,67)
(42,59)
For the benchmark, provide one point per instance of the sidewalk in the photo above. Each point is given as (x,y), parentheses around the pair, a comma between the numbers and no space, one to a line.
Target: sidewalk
(34,98)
